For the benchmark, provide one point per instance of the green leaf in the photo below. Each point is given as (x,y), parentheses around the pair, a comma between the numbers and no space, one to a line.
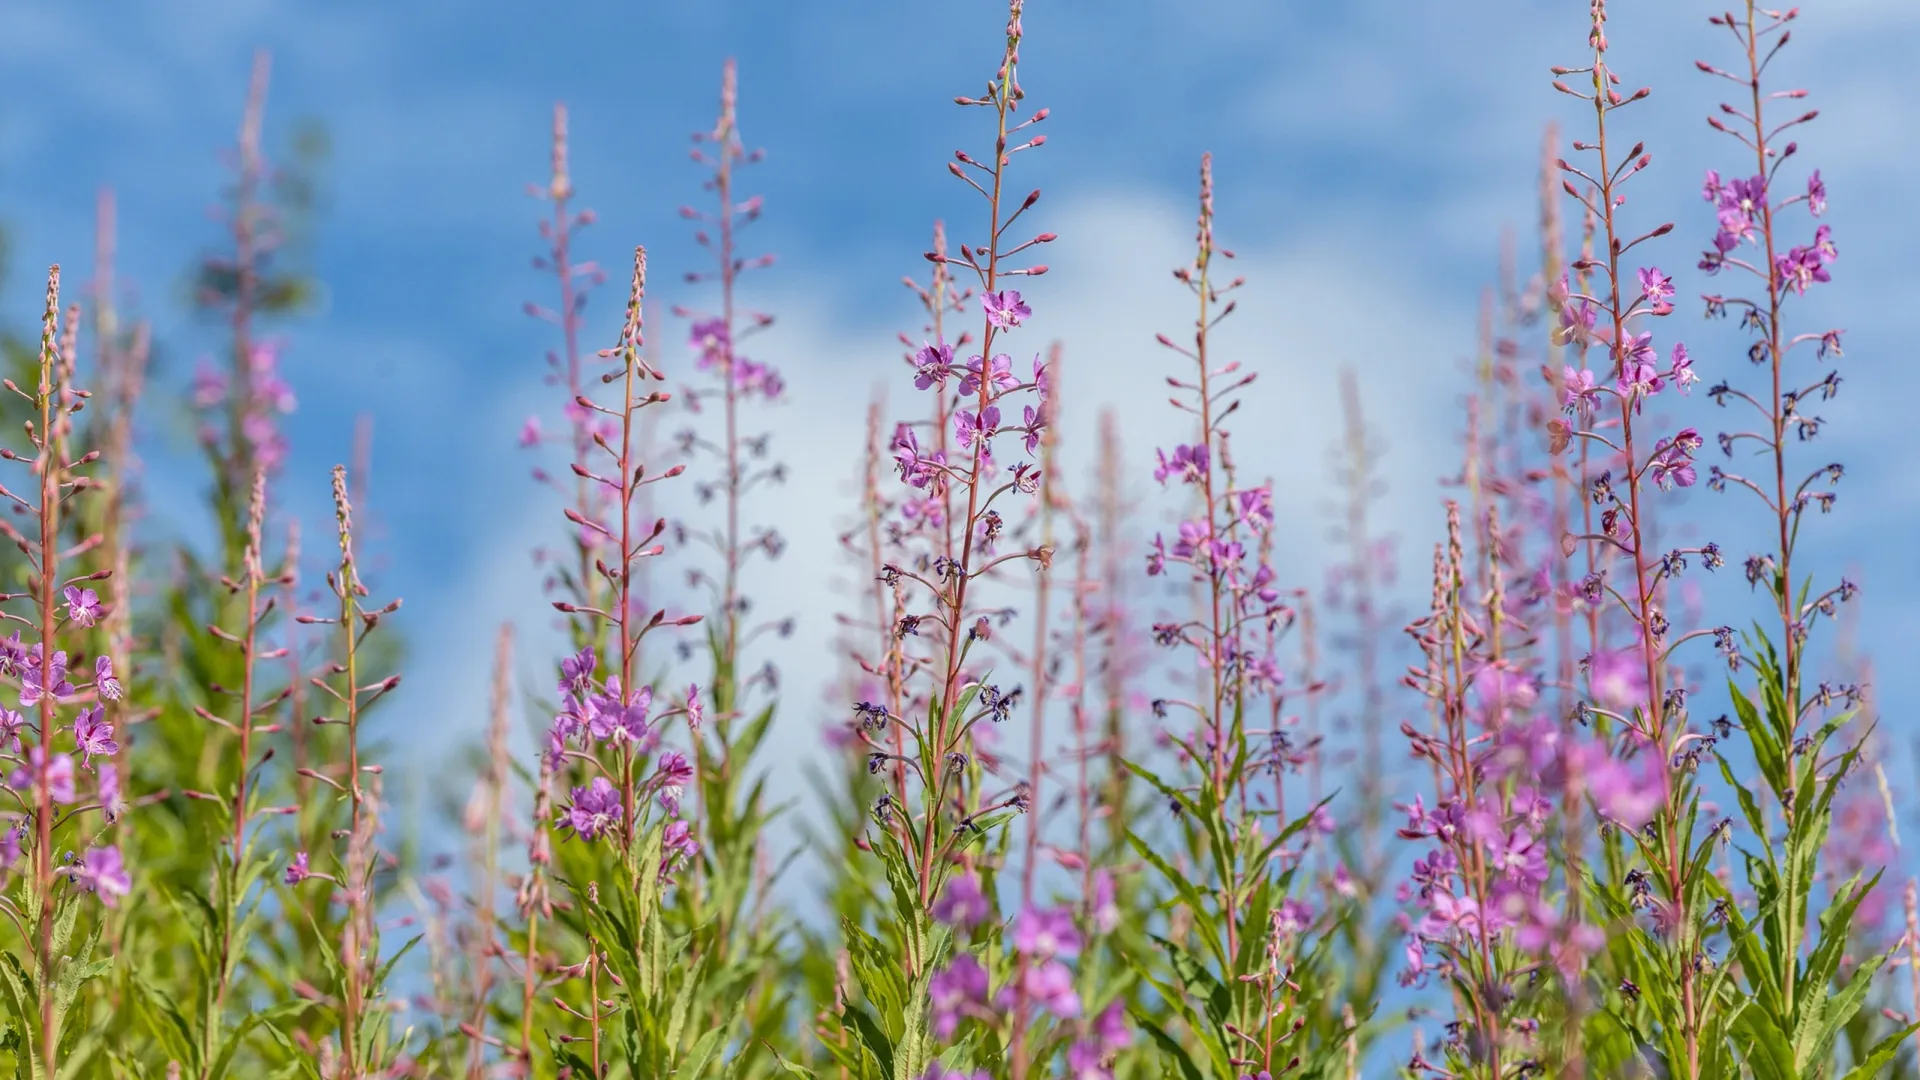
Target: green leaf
(875,1040)
(1169,1049)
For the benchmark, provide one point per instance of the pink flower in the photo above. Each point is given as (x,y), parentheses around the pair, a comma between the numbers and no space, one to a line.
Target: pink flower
(963,905)
(101,871)
(1046,933)
(83,605)
(1005,309)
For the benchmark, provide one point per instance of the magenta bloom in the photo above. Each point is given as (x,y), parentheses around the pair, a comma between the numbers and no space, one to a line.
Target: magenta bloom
(677,845)
(967,426)
(999,375)
(1050,984)
(83,605)
(1657,287)
(696,712)
(1046,933)
(1292,917)
(1106,914)
(1619,679)
(109,783)
(1256,506)
(1085,1062)
(1581,394)
(530,432)
(101,871)
(1005,309)
(1816,194)
(595,810)
(671,780)
(1189,463)
(1110,1028)
(93,734)
(297,870)
(963,905)
(59,775)
(931,366)
(34,682)
(962,985)
(576,671)
(103,680)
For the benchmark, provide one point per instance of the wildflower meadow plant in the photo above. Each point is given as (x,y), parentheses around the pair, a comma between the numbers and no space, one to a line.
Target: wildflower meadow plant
(1109,789)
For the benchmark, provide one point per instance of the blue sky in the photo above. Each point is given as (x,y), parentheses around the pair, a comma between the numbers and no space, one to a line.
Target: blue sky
(1369,153)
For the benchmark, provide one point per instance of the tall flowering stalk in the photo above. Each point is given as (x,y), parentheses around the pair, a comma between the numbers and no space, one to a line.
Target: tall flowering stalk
(618,856)
(1803,999)
(960,489)
(1233,965)
(52,963)
(722,752)
(1631,686)
(243,402)
(573,574)
(362,1047)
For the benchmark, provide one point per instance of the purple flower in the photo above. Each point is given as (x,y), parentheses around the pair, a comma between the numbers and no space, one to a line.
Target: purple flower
(932,364)
(297,870)
(1581,394)
(101,871)
(1627,792)
(1188,462)
(622,723)
(999,375)
(967,426)
(209,386)
(83,605)
(93,734)
(1619,679)
(1672,460)
(1086,1062)
(1110,1028)
(916,468)
(1050,984)
(1577,322)
(109,777)
(671,780)
(1193,536)
(576,671)
(1256,507)
(1292,917)
(1005,309)
(1657,287)
(962,985)
(1816,194)
(1106,914)
(1034,425)
(1523,860)
(710,337)
(677,845)
(530,432)
(1682,370)
(34,682)
(103,680)
(595,810)
(1740,203)
(963,905)
(1046,933)
(59,775)
(696,712)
